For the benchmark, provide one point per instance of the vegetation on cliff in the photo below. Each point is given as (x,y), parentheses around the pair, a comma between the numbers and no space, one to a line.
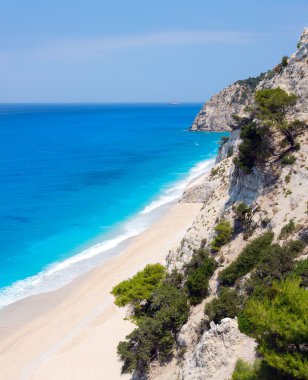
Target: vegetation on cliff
(198,272)
(246,260)
(159,305)
(265,286)
(161,313)
(259,370)
(223,234)
(267,114)
(278,322)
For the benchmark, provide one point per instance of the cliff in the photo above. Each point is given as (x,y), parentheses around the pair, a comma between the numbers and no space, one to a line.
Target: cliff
(249,237)
(218,113)
(275,194)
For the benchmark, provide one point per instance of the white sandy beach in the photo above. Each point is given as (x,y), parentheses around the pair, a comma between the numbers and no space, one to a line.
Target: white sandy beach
(72,333)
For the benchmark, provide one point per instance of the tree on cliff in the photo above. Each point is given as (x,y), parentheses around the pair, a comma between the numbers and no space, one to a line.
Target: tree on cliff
(272,106)
(279,323)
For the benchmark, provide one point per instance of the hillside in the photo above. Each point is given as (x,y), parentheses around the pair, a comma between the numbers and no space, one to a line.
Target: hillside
(253,224)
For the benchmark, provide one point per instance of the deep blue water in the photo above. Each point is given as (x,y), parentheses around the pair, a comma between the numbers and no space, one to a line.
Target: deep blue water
(70,174)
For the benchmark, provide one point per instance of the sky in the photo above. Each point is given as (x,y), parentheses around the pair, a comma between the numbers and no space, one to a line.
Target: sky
(140,50)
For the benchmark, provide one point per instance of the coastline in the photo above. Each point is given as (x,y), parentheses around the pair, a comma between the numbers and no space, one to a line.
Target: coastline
(73,332)
(61,273)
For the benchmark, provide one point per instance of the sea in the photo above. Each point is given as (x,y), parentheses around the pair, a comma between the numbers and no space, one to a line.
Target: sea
(78,180)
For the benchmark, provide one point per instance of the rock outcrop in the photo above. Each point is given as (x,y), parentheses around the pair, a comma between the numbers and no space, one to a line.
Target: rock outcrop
(214,357)
(216,114)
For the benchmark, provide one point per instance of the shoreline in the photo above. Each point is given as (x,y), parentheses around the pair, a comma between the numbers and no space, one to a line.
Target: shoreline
(62,273)
(41,335)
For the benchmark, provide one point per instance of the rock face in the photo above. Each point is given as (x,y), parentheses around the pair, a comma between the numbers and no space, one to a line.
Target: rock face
(216,114)
(246,187)
(215,355)
(230,147)
(293,78)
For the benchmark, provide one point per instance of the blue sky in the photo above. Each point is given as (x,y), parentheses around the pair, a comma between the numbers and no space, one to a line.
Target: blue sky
(138,50)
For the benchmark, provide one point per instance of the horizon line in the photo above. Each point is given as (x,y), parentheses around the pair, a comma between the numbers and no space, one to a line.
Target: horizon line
(111,103)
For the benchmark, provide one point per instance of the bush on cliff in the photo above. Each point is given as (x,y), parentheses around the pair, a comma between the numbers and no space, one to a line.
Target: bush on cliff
(288,160)
(276,263)
(259,370)
(226,305)
(246,260)
(138,290)
(301,270)
(154,338)
(287,229)
(159,304)
(223,235)
(199,271)
(278,322)
(253,147)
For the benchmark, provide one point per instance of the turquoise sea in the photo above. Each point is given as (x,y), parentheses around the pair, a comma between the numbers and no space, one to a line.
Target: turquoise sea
(76,181)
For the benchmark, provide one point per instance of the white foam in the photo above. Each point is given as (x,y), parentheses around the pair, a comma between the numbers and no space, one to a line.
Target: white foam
(59,274)
(175,192)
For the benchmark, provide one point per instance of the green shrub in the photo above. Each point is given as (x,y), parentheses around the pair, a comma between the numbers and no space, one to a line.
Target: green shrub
(278,322)
(287,230)
(284,61)
(224,233)
(252,148)
(199,256)
(276,263)
(214,171)
(244,371)
(288,160)
(198,272)
(241,210)
(155,336)
(247,259)
(301,270)
(273,104)
(252,82)
(288,178)
(259,370)
(226,305)
(139,289)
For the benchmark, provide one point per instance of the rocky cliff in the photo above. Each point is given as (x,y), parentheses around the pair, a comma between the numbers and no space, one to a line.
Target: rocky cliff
(216,114)
(275,193)
(220,112)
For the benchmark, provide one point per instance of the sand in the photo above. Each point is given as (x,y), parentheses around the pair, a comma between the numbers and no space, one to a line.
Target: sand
(72,333)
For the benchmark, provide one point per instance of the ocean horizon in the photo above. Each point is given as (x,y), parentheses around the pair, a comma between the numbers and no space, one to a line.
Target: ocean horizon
(78,180)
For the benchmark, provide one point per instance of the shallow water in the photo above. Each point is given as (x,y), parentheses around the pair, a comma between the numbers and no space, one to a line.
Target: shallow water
(77,180)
